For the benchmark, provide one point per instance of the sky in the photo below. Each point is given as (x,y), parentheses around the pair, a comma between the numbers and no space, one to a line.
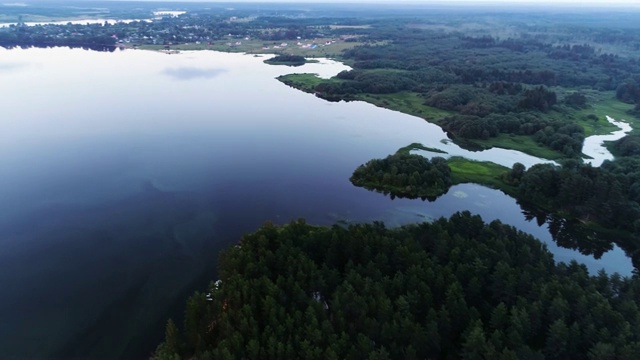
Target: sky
(581,3)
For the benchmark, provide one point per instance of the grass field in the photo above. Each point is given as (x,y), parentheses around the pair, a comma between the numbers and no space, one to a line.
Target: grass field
(600,126)
(522,143)
(305,82)
(479,172)
(616,109)
(601,104)
(406,102)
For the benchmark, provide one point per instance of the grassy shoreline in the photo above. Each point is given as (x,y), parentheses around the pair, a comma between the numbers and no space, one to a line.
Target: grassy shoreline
(484,173)
(592,119)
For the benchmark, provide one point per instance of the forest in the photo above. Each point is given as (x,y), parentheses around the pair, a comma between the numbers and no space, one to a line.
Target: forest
(456,288)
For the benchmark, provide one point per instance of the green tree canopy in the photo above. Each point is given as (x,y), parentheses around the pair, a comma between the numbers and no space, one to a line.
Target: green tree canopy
(453,289)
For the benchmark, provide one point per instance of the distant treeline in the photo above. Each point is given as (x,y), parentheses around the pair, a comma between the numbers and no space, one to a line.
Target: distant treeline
(193,27)
(31,36)
(472,60)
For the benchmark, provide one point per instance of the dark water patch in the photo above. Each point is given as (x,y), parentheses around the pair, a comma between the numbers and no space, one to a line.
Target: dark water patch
(106,270)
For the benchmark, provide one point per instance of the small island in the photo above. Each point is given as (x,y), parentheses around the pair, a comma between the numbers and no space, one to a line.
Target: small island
(405,175)
(289,60)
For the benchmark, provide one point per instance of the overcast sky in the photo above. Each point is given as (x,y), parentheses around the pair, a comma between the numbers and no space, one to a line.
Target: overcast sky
(633,3)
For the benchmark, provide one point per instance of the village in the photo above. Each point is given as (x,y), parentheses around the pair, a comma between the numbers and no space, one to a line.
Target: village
(172,32)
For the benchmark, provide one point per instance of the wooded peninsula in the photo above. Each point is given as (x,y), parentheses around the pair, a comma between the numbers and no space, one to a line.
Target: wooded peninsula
(453,289)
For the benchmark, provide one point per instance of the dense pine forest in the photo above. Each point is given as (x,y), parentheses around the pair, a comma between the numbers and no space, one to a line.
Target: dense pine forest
(453,289)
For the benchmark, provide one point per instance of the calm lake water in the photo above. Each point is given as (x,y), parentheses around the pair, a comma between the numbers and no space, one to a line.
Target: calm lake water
(122,175)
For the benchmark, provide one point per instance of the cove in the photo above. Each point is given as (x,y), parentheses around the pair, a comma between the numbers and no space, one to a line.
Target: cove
(125,173)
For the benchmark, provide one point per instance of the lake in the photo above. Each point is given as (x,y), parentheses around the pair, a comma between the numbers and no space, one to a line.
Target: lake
(124,174)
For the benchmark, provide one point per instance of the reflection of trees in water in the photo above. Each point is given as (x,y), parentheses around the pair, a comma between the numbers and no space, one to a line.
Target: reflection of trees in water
(575,235)
(392,195)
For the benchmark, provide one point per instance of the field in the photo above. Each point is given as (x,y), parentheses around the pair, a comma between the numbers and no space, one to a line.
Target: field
(407,102)
(304,82)
(614,108)
(522,143)
(479,172)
